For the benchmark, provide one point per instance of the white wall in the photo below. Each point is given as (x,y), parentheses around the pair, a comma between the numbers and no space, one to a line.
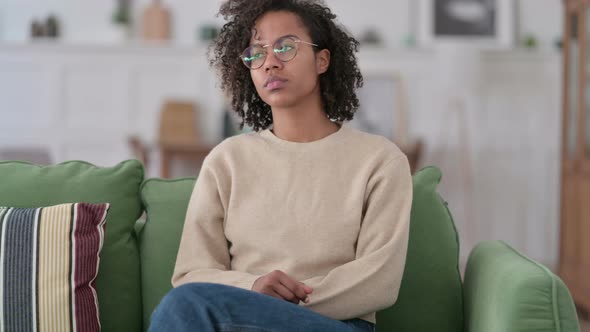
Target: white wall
(510,187)
(89,21)
(499,157)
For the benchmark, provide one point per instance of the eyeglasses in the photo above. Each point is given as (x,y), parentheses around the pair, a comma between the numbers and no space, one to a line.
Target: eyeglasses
(284,48)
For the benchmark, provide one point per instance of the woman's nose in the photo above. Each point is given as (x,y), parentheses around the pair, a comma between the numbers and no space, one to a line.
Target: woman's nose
(272,62)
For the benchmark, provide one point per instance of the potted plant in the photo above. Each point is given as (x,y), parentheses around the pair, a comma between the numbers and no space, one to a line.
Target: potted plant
(121,20)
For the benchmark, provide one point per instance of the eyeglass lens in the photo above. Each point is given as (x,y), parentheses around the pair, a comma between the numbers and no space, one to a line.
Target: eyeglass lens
(285,50)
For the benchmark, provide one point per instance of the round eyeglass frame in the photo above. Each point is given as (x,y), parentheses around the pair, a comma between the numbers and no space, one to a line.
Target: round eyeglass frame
(297,41)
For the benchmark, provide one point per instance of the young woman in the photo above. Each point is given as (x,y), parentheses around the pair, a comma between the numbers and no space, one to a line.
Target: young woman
(303,224)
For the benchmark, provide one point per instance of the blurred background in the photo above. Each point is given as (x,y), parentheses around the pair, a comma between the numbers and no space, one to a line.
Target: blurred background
(472,86)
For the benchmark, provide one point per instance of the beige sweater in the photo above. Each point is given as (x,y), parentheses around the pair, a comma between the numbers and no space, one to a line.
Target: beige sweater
(333,213)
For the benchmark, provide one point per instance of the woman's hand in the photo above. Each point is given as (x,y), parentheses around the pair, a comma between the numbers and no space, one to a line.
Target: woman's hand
(278,284)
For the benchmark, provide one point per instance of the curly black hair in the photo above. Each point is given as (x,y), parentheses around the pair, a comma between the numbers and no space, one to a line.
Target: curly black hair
(338,84)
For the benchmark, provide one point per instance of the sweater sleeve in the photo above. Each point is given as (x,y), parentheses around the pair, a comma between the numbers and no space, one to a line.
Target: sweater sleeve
(371,282)
(203,255)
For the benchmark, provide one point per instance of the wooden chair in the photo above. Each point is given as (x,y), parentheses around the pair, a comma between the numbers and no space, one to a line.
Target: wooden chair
(178,123)
(414,153)
(178,138)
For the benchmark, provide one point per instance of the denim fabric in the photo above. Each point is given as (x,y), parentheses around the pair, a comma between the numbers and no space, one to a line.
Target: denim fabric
(215,307)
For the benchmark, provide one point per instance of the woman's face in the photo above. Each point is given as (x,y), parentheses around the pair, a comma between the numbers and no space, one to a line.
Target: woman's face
(285,84)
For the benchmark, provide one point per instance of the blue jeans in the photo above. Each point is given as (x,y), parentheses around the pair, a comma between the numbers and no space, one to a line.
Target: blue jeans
(215,307)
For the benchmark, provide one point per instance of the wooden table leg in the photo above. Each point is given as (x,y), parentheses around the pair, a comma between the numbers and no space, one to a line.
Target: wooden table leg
(166,163)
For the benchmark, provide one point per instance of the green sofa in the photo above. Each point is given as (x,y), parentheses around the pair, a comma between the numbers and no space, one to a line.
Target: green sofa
(502,289)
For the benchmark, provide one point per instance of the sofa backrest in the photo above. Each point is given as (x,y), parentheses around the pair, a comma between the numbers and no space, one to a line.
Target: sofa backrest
(431,294)
(27,185)
(165,202)
(430,298)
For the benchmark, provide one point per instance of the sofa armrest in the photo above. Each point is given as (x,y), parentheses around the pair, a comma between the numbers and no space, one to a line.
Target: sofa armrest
(506,291)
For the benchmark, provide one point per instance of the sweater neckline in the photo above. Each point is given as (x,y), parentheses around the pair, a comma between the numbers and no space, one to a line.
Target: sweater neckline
(328,140)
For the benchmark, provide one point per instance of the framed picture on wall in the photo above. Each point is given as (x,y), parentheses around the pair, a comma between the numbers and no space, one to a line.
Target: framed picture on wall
(486,23)
(382,106)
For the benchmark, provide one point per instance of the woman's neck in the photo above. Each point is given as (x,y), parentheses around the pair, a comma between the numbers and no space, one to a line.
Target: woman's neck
(305,122)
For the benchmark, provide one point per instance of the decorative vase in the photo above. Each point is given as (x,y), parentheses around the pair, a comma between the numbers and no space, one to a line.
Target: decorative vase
(155,22)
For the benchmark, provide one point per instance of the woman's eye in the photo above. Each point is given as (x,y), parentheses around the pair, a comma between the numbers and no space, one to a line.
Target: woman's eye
(254,57)
(285,48)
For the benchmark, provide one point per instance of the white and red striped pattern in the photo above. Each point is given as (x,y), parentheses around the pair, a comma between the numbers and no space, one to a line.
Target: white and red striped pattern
(49,260)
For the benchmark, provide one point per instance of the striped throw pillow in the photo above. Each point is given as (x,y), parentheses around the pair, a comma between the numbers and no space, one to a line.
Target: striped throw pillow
(49,260)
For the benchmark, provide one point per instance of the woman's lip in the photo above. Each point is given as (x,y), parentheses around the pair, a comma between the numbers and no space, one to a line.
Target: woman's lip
(276,85)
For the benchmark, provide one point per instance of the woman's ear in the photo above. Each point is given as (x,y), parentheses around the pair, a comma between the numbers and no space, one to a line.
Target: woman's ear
(322,61)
